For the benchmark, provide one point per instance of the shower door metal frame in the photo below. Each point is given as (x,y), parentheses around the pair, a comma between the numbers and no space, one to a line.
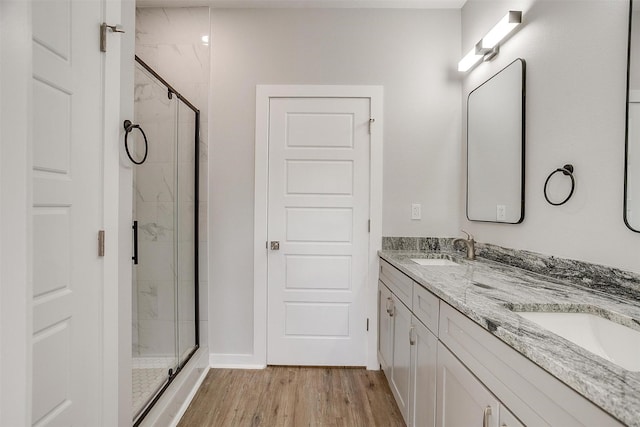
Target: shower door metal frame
(173,374)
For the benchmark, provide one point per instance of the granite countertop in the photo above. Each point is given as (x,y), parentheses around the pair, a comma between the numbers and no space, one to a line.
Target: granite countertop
(486,291)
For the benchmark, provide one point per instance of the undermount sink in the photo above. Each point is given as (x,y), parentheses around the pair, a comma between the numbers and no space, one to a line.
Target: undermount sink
(440,261)
(615,342)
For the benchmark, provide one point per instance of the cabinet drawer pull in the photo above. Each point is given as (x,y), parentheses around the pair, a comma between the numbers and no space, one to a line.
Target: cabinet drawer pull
(485,418)
(412,340)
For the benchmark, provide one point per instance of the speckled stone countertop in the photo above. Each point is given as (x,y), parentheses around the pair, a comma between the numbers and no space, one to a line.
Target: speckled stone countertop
(487,291)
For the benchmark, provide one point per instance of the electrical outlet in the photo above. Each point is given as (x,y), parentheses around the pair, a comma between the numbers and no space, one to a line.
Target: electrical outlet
(501,213)
(416,211)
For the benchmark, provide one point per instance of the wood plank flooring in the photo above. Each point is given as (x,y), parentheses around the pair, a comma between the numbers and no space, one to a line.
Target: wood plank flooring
(292,397)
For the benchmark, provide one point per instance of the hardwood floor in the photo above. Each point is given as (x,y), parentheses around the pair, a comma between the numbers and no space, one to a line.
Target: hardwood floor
(293,396)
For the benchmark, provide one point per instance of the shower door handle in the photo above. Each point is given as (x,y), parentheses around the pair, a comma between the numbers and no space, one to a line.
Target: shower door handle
(135,242)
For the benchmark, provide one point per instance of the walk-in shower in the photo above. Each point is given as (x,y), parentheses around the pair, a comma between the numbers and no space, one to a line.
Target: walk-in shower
(165,211)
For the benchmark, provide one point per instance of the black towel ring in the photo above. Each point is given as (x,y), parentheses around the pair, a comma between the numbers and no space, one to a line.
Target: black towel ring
(566,170)
(128,127)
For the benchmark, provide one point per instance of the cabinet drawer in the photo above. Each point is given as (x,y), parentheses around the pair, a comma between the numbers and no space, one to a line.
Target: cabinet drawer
(426,307)
(400,284)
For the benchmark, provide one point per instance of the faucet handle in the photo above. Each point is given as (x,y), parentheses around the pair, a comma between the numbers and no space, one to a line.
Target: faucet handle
(469,236)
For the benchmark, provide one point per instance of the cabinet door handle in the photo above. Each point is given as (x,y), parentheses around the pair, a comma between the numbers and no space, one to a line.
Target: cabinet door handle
(392,310)
(388,305)
(485,418)
(412,340)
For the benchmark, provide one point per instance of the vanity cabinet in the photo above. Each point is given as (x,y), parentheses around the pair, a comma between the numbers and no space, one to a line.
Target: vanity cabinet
(531,393)
(431,353)
(408,351)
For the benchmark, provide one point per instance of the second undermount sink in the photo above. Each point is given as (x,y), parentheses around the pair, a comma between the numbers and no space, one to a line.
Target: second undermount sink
(433,261)
(615,342)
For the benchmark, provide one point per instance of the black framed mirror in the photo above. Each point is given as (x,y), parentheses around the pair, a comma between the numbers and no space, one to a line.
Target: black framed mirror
(496,147)
(632,132)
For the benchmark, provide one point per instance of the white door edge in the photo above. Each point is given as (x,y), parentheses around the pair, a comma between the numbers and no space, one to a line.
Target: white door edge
(15,213)
(114,302)
(263,94)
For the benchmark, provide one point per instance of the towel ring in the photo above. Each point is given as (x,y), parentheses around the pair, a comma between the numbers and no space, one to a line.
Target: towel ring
(566,170)
(128,127)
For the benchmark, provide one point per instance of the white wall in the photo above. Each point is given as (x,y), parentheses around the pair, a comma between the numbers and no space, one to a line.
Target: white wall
(575,113)
(412,53)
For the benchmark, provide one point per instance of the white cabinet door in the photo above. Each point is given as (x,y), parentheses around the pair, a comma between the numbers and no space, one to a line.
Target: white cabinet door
(385,328)
(400,380)
(463,400)
(424,351)
(507,419)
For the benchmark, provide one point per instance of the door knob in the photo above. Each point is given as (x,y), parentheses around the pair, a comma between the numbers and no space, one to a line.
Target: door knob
(275,245)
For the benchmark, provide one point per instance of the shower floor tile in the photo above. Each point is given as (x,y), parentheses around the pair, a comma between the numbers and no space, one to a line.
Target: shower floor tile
(148,374)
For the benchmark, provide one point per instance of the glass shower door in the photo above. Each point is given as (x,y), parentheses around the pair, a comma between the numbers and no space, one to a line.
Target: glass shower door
(187,231)
(155,193)
(165,277)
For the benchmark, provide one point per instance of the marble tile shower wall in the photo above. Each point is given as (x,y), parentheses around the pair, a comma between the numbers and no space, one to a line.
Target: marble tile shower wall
(154,200)
(174,42)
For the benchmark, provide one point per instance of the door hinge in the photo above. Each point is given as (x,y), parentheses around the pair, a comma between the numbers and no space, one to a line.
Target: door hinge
(371,121)
(369,226)
(101,243)
(367,324)
(103,34)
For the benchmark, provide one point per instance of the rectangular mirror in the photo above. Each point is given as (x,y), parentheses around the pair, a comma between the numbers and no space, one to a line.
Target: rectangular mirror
(495,147)
(632,151)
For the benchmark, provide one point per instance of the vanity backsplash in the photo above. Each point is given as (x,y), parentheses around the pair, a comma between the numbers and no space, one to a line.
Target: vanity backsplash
(610,280)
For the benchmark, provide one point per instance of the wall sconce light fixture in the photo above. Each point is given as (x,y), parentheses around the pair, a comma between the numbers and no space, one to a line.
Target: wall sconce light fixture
(489,45)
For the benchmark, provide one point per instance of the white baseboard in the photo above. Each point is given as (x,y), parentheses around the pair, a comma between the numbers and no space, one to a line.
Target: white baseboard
(235,361)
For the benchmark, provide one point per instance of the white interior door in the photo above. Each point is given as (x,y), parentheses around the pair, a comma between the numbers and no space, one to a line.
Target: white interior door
(318,211)
(67,213)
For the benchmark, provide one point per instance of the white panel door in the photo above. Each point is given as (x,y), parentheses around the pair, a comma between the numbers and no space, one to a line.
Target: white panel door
(67,213)
(318,212)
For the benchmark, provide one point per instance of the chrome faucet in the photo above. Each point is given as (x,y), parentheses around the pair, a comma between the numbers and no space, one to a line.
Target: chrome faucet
(469,243)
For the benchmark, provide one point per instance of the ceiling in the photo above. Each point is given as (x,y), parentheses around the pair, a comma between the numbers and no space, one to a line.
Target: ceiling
(371,4)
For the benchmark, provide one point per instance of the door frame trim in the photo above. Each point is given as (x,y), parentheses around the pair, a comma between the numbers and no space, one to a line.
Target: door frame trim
(260,267)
